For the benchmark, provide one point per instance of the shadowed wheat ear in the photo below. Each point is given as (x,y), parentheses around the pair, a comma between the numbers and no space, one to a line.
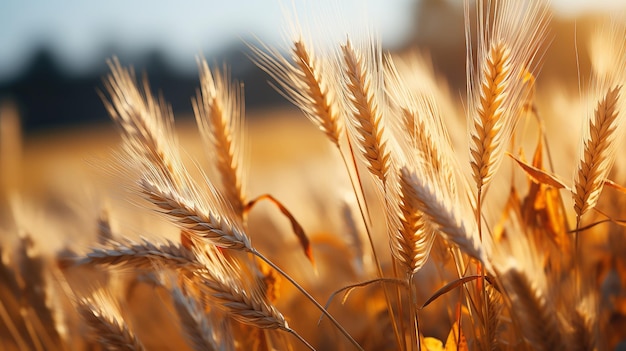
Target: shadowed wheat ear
(106,323)
(525,284)
(585,324)
(199,331)
(307,81)
(536,317)
(507,48)
(218,109)
(242,299)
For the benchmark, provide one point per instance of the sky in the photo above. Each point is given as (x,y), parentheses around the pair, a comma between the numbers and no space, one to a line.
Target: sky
(79,30)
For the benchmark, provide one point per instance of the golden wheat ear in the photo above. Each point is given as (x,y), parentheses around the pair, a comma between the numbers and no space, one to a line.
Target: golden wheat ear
(443,212)
(509,38)
(602,128)
(363,88)
(218,109)
(308,81)
(146,123)
(27,317)
(599,151)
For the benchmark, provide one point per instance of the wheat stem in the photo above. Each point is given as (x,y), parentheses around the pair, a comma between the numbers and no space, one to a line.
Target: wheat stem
(309,297)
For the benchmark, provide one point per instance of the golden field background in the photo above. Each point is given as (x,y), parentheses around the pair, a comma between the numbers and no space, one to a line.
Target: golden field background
(55,184)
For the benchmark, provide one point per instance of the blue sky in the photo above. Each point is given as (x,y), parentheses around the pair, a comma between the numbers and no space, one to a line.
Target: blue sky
(78,30)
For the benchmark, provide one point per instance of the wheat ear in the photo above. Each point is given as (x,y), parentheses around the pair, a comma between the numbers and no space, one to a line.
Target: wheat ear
(584,327)
(198,330)
(146,123)
(190,213)
(598,152)
(537,320)
(143,255)
(411,237)
(508,46)
(242,299)
(219,112)
(363,82)
(306,81)
(442,212)
(106,324)
(490,124)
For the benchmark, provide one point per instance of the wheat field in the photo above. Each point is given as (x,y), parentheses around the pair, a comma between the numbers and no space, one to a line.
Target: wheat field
(398,217)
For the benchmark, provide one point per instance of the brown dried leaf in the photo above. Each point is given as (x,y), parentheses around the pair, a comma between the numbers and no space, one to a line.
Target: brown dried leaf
(540,176)
(295,226)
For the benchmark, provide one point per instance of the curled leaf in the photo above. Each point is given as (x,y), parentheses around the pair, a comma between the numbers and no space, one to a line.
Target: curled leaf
(295,226)
(540,176)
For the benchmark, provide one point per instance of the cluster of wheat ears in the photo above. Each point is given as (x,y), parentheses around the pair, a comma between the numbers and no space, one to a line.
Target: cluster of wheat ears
(431,263)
